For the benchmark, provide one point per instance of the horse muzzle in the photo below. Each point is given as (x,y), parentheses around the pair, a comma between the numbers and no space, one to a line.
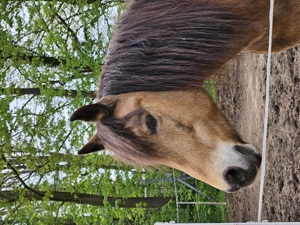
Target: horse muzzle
(242,175)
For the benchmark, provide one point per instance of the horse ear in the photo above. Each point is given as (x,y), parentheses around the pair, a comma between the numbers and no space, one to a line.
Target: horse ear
(95,112)
(93,145)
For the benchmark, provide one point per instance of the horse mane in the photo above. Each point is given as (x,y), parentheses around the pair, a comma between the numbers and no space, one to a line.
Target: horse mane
(171,44)
(125,144)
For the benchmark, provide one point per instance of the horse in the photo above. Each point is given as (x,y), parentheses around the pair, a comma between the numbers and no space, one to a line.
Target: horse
(152,109)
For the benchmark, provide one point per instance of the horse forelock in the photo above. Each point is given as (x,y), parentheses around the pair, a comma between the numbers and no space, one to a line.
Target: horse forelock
(171,44)
(126,146)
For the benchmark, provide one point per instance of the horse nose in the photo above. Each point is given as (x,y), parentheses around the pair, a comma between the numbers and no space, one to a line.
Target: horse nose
(242,174)
(236,177)
(249,154)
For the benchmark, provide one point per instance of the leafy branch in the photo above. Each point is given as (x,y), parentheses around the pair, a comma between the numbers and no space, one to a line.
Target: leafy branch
(19,178)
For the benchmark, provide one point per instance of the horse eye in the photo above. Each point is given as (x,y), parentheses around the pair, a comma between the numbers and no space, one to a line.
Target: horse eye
(151,123)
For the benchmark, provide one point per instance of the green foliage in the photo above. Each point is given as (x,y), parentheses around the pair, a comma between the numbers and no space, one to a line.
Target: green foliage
(162,184)
(54,51)
(210,86)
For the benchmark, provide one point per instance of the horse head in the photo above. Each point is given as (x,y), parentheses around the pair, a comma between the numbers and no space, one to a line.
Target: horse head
(185,130)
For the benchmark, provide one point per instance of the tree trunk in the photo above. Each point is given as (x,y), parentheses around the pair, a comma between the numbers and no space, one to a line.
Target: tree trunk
(37,91)
(88,199)
(18,162)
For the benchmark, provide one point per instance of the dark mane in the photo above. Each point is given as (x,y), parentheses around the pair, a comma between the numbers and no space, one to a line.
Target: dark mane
(127,147)
(163,45)
(171,44)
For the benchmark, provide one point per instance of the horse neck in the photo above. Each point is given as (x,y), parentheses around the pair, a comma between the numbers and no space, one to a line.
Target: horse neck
(164,45)
(286,26)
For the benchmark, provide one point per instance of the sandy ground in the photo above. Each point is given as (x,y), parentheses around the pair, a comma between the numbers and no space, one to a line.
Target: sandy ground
(241,92)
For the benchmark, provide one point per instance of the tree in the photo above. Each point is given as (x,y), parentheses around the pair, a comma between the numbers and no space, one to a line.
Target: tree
(87,199)
(51,53)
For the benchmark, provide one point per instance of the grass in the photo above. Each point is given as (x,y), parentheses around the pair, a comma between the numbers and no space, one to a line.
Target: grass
(210,86)
(194,213)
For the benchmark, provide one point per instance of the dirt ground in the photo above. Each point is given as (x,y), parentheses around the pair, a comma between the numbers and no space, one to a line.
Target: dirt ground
(241,92)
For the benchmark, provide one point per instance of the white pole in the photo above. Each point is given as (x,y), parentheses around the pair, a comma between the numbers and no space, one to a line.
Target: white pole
(264,151)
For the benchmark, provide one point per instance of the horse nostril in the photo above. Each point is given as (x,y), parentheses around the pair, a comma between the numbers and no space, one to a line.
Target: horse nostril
(249,153)
(235,176)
